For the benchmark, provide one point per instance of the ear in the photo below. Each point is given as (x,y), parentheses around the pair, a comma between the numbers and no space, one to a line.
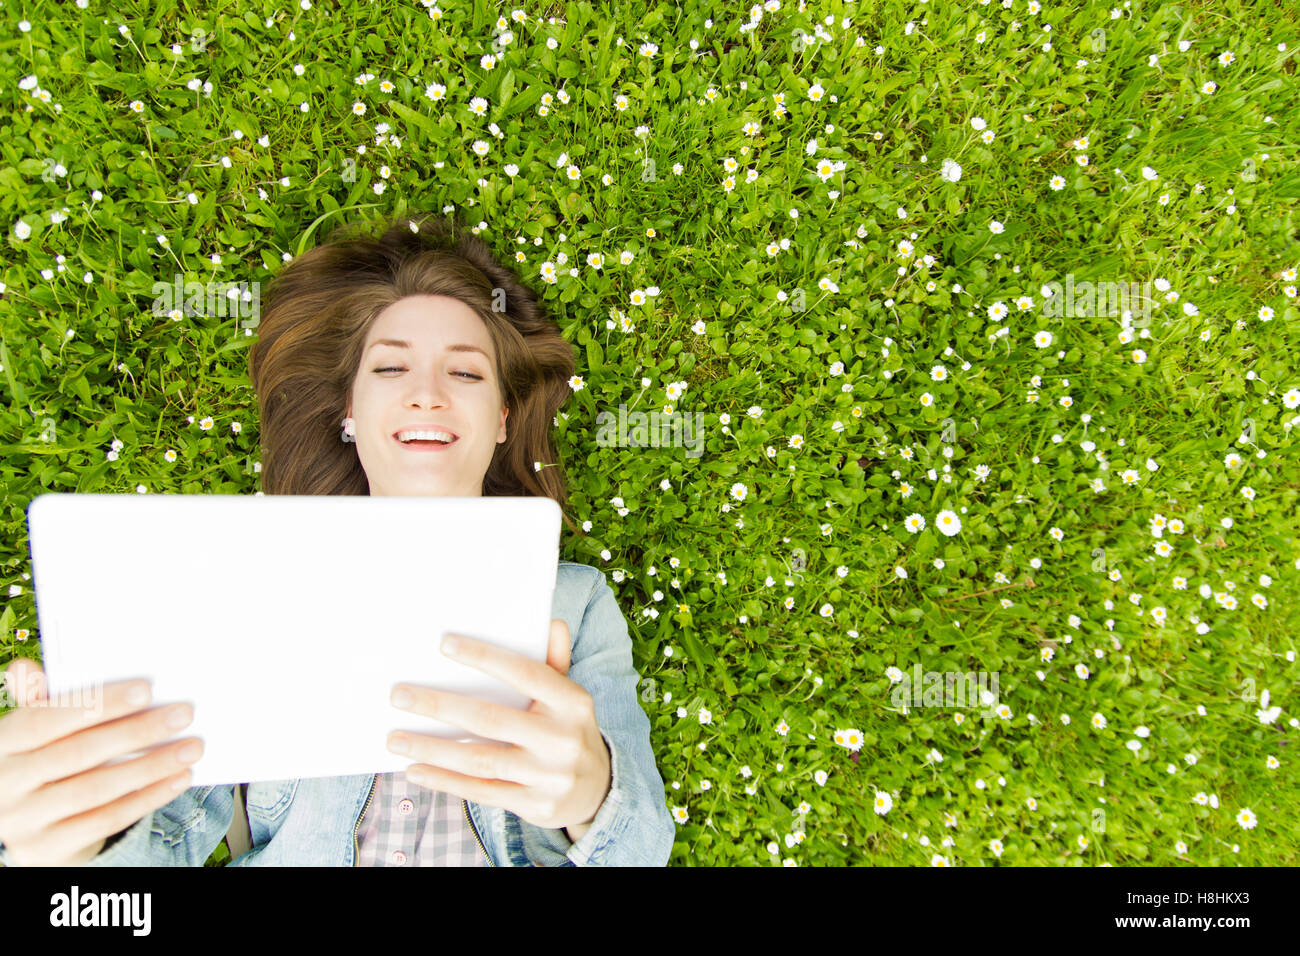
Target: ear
(501,433)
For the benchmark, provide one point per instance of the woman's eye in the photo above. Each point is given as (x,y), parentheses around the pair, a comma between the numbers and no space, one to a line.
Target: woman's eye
(471,375)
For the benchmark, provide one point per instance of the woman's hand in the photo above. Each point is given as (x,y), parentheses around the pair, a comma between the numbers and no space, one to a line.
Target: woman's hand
(554,771)
(59,801)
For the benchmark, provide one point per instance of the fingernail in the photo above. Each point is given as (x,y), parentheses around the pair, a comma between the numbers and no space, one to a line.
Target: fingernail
(138,695)
(180,716)
(401,698)
(450,645)
(398,745)
(190,752)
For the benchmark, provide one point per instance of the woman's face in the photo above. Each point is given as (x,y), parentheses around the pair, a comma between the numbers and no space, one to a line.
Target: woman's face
(437,370)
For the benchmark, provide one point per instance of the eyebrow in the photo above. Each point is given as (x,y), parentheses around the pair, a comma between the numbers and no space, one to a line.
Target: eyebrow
(403,344)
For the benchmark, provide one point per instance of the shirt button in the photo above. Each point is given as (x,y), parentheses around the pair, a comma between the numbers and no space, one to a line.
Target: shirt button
(406,806)
(399,858)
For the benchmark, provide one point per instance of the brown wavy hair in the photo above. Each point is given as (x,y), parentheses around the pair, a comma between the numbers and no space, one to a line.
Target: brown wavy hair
(317,312)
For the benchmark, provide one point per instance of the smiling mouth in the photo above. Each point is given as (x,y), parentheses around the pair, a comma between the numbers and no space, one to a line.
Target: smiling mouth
(425,444)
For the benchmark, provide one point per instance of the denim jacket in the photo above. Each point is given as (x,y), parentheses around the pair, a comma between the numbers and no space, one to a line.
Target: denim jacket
(313,821)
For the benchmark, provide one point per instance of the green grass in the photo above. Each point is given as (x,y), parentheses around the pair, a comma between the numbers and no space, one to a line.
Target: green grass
(91,359)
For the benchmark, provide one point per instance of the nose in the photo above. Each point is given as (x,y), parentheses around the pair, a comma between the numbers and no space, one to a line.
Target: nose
(426,392)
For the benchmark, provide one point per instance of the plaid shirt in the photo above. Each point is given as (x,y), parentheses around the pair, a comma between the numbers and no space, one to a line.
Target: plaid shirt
(410,825)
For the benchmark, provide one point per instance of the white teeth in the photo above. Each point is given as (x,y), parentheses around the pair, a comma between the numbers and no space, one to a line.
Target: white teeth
(426,436)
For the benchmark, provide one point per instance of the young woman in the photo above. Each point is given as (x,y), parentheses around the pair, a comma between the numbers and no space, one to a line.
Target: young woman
(446,375)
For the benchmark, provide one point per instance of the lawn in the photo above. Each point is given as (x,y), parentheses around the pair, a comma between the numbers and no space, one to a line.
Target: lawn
(986,313)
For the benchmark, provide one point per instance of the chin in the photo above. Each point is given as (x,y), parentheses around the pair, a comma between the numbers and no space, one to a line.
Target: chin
(409,487)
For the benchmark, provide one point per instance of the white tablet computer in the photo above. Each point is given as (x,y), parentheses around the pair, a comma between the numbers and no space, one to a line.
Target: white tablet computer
(286,620)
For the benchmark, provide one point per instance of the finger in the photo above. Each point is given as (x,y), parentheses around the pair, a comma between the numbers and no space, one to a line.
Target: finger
(25,772)
(539,681)
(43,721)
(482,717)
(504,762)
(497,793)
(87,791)
(558,651)
(63,839)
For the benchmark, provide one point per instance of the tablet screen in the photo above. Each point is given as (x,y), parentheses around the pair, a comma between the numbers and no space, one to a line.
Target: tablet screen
(286,620)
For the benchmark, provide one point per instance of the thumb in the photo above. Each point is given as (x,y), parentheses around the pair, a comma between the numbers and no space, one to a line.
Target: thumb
(25,682)
(557,651)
